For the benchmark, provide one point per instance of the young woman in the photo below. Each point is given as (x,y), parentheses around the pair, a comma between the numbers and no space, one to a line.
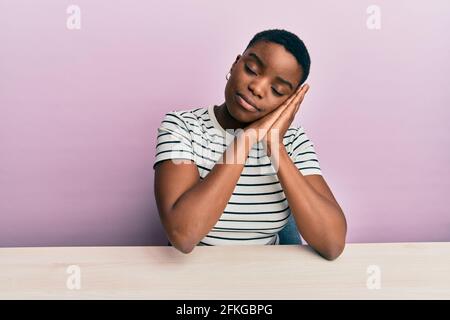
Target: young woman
(234,173)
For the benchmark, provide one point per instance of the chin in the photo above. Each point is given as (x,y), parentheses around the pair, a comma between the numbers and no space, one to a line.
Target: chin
(238,113)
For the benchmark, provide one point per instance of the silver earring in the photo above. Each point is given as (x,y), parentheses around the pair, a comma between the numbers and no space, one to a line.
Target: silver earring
(228,75)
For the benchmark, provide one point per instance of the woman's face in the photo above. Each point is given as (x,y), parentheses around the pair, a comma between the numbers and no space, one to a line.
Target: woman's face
(265,75)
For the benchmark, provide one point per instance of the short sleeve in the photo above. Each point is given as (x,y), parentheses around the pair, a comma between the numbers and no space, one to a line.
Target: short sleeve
(174,140)
(303,154)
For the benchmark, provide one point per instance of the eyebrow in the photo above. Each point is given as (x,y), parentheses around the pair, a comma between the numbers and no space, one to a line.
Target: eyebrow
(258,59)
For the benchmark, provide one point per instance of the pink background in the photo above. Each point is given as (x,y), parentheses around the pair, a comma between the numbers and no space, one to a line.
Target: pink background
(79,110)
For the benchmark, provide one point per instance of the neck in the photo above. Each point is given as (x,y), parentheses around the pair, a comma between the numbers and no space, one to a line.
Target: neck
(225,119)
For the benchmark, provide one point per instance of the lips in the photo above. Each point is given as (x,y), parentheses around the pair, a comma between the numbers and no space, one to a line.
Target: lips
(246,102)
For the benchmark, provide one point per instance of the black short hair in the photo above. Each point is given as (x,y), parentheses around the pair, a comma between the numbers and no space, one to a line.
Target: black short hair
(290,42)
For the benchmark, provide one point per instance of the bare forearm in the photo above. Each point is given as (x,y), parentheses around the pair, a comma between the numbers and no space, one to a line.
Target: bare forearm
(320,221)
(199,209)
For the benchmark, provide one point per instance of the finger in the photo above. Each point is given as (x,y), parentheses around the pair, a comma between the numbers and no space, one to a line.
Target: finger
(305,87)
(291,97)
(304,90)
(290,103)
(299,94)
(299,98)
(295,105)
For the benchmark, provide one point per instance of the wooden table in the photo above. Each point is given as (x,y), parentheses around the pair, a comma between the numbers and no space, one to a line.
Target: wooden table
(363,271)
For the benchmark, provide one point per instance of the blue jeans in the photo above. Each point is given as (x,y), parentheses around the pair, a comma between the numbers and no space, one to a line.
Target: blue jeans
(289,234)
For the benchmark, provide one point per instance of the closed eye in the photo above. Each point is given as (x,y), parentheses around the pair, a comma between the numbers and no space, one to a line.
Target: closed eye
(276,92)
(249,70)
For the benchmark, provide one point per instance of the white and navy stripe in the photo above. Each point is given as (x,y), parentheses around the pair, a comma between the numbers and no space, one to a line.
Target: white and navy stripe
(258,208)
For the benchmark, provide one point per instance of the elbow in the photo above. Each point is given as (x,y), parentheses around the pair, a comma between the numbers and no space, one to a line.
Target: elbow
(331,257)
(181,244)
(185,250)
(335,246)
(333,252)
(178,236)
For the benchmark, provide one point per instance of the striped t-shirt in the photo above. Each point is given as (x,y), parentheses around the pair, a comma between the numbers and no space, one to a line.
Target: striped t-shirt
(258,208)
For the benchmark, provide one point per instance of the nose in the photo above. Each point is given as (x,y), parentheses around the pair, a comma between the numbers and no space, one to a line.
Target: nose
(256,87)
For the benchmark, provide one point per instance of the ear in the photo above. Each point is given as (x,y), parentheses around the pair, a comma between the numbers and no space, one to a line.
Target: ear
(235,61)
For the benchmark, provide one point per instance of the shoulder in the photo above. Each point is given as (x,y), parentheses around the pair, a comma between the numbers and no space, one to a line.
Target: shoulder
(296,139)
(295,133)
(186,118)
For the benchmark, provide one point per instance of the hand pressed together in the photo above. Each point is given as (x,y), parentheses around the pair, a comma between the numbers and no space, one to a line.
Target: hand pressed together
(272,127)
